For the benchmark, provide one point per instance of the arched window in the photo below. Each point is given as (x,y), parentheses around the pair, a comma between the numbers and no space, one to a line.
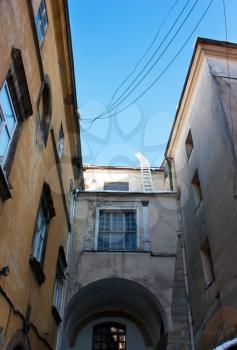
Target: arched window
(109,336)
(44,106)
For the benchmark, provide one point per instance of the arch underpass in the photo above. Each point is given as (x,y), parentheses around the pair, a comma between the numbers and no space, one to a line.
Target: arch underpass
(115,300)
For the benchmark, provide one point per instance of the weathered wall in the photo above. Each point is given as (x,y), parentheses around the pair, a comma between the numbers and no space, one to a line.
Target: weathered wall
(96,177)
(152,267)
(213,130)
(32,165)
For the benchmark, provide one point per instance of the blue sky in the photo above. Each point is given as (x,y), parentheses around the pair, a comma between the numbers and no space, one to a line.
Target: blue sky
(109,37)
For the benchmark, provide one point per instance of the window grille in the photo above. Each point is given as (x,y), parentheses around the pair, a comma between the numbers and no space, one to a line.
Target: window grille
(109,336)
(116,186)
(117,230)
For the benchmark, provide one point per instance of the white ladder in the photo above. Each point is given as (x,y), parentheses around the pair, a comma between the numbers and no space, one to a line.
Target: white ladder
(145,173)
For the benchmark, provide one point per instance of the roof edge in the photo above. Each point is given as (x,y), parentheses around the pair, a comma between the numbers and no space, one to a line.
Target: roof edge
(121,167)
(199,41)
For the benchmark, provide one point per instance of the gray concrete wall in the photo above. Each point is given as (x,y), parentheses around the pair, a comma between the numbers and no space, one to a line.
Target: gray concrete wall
(152,266)
(142,267)
(213,130)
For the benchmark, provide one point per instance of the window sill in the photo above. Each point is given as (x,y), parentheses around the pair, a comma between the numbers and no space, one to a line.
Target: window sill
(115,251)
(56,314)
(37,269)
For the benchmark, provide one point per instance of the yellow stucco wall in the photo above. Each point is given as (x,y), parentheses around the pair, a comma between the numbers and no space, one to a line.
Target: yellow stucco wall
(32,165)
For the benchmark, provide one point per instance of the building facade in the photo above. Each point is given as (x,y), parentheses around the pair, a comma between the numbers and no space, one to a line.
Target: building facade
(112,257)
(202,149)
(39,167)
(126,288)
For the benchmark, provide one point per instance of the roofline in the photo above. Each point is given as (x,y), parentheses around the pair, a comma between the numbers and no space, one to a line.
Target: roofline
(111,167)
(75,104)
(129,194)
(71,55)
(198,42)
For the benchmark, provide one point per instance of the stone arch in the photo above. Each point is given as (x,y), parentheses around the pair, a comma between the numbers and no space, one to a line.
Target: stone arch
(19,341)
(115,297)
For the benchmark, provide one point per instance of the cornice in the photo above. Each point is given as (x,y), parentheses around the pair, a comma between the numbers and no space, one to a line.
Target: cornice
(204,49)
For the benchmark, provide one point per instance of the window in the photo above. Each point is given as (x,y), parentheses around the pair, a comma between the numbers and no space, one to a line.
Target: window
(15,107)
(40,235)
(117,230)
(196,187)
(44,107)
(71,201)
(60,143)
(41,21)
(59,285)
(109,335)
(116,186)
(207,264)
(189,144)
(46,212)
(8,121)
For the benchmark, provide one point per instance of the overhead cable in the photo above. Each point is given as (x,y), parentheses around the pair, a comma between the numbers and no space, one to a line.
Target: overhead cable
(162,72)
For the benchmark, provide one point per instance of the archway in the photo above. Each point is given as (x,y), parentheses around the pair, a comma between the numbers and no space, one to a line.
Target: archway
(115,300)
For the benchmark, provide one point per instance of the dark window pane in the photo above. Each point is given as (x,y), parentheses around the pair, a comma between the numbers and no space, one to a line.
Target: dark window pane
(116,186)
(109,336)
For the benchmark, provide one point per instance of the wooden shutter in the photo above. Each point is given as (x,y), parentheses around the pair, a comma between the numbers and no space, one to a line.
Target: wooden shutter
(21,86)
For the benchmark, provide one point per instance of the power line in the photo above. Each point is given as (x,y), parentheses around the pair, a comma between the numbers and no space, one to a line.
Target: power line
(156,61)
(110,108)
(163,71)
(146,52)
(101,115)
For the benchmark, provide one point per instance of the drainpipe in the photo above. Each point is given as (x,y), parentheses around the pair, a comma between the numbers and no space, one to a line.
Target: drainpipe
(169,168)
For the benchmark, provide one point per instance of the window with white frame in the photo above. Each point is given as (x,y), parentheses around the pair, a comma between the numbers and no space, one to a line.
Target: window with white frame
(59,285)
(45,213)
(40,235)
(41,20)
(8,121)
(15,107)
(60,143)
(117,230)
(116,186)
